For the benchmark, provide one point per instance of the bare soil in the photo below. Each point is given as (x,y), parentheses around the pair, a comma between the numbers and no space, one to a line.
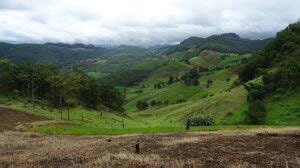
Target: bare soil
(10,119)
(273,147)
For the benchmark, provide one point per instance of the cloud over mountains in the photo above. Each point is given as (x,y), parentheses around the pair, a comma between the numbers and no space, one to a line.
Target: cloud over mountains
(140,22)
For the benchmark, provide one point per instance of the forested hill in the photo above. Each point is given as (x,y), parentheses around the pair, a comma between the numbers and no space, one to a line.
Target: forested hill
(49,52)
(278,63)
(226,43)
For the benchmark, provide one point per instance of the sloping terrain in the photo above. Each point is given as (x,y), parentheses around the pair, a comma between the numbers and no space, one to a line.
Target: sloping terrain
(11,118)
(228,43)
(49,52)
(171,68)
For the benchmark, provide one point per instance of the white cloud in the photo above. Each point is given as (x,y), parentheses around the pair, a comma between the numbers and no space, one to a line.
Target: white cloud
(140,22)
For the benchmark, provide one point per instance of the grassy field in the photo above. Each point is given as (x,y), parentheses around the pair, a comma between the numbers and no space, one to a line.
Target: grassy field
(107,124)
(97,75)
(172,68)
(170,93)
(167,119)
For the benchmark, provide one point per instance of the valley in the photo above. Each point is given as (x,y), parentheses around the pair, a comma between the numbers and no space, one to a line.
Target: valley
(150,83)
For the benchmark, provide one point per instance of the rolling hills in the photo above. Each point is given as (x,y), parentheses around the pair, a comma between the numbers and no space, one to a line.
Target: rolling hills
(226,43)
(158,77)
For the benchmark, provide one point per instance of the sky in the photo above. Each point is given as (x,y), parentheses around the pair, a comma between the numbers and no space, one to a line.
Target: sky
(140,22)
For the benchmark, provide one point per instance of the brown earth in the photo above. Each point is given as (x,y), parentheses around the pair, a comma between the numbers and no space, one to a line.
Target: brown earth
(273,147)
(10,119)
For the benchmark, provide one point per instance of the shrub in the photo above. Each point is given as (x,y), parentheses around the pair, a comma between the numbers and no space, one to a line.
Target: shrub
(138,91)
(152,103)
(256,113)
(204,96)
(209,81)
(142,105)
(202,120)
(180,101)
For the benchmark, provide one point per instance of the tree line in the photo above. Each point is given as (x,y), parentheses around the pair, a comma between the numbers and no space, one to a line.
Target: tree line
(59,88)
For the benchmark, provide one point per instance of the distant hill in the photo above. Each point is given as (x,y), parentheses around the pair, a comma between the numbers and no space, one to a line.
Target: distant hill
(49,52)
(226,43)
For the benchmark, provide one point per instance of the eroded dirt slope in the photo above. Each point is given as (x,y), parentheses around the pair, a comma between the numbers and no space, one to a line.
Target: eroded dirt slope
(9,119)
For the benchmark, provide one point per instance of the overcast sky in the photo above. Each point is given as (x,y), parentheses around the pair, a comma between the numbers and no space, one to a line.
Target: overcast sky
(140,22)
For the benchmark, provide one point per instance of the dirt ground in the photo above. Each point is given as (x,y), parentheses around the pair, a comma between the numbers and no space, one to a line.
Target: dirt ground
(239,148)
(9,119)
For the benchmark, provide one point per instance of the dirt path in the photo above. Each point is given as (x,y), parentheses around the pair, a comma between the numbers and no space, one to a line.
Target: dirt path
(278,147)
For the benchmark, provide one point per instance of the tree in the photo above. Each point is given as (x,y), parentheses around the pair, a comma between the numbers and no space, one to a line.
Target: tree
(7,75)
(255,92)
(49,84)
(57,86)
(187,125)
(34,78)
(256,113)
(191,78)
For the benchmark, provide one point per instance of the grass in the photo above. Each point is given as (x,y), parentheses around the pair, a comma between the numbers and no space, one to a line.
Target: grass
(162,74)
(166,119)
(69,129)
(97,75)
(283,111)
(101,61)
(170,93)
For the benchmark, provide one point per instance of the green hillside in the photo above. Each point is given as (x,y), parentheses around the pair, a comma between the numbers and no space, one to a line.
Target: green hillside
(225,43)
(58,53)
(217,79)
(169,68)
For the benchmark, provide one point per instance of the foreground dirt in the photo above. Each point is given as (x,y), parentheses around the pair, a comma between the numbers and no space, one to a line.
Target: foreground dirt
(240,148)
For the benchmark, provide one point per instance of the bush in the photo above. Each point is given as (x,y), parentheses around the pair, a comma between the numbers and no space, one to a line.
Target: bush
(204,96)
(202,120)
(138,91)
(142,105)
(256,113)
(180,101)
(153,103)
(209,81)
